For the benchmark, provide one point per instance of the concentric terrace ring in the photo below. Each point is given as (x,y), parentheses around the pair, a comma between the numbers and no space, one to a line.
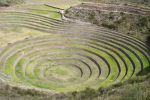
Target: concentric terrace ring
(72,63)
(77,57)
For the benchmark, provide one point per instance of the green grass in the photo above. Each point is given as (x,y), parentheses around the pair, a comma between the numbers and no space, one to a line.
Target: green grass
(62,71)
(57,3)
(47,71)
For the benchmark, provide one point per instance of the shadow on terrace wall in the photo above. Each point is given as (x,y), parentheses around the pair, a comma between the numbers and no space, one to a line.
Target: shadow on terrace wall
(148,41)
(147,69)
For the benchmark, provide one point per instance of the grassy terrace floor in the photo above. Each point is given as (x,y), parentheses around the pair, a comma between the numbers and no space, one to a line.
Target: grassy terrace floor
(42,51)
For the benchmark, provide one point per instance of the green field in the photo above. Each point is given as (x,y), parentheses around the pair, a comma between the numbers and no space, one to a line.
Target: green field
(42,51)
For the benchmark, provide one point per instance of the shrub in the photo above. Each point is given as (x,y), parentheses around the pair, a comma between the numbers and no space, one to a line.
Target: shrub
(9,2)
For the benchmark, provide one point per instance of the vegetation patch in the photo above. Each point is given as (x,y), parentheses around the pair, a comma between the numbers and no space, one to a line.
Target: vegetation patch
(5,3)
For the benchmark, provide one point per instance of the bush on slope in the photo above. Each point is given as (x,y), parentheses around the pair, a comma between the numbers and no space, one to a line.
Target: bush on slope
(9,2)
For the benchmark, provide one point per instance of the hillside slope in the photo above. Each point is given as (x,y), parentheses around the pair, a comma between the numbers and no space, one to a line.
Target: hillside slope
(137,2)
(129,19)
